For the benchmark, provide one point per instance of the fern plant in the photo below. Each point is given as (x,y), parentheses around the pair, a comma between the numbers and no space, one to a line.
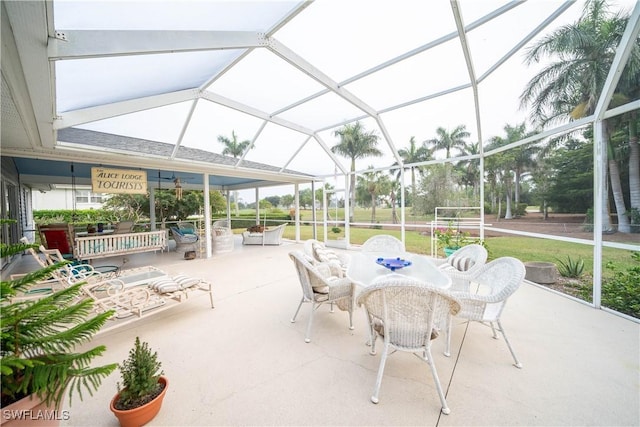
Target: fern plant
(571,268)
(140,373)
(38,338)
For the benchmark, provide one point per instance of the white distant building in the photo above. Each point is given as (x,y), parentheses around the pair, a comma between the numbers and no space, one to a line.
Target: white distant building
(62,197)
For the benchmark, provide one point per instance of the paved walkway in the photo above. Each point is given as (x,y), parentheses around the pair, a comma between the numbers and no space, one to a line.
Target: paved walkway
(244,363)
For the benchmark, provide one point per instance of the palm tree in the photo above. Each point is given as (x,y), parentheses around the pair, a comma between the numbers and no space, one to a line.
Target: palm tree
(394,187)
(570,86)
(374,184)
(235,148)
(470,169)
(413,154)
(523,156)
(517,160)
(355,143)
(448,141)
(499,167)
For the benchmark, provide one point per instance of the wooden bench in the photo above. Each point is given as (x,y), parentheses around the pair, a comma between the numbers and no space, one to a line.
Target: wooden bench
(93,247)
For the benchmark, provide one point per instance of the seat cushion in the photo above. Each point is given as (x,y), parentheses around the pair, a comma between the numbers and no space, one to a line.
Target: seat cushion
(323,254)
(378,326)
(460,263)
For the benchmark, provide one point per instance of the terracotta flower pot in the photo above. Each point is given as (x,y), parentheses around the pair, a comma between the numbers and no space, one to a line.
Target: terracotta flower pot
(143,414)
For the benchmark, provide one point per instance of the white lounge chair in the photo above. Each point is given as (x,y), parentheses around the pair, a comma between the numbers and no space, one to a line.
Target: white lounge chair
(221,237)
(184,241)
(270,236)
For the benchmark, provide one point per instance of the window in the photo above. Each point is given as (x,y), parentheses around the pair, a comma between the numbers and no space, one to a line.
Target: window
(86,196)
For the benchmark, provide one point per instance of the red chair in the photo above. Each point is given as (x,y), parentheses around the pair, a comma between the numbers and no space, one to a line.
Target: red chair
(57,236)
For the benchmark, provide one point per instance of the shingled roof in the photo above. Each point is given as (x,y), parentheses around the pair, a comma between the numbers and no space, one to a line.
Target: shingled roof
(140,146)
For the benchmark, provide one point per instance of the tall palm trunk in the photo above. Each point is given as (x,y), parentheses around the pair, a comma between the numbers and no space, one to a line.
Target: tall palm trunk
(352,190)
(413,190)
(634,163)
(618,199)
(616,185)
(394,214)
(373,208)
(508,190)
(517,187)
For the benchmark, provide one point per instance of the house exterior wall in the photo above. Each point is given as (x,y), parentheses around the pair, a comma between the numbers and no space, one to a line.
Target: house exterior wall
(62,198)
(16,205)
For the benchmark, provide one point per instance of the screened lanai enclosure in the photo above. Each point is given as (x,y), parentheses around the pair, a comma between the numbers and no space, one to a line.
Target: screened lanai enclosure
(483,110)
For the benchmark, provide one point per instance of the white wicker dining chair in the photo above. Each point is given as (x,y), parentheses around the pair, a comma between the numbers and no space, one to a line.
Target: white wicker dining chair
(319,286)
(464,263)
(404,313)
(491,287)
(383,243)
(318,252)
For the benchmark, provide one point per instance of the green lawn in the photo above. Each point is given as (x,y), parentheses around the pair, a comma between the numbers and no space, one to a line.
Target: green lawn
(622,295)
(523,248)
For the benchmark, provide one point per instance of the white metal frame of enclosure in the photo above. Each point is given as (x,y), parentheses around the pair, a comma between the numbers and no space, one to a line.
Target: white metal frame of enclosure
(36,91)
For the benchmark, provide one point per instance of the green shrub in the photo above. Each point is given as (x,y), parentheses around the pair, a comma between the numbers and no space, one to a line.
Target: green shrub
(39,337)
(634,218)
(81,217)
(521,209)
(622,291)
(571,268)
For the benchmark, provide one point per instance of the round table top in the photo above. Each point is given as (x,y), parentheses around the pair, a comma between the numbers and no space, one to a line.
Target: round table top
(364,269)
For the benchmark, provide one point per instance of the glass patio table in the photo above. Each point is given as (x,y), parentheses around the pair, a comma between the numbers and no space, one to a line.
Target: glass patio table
(366,268)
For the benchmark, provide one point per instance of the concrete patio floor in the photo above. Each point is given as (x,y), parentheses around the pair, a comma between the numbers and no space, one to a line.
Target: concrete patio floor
(245,363)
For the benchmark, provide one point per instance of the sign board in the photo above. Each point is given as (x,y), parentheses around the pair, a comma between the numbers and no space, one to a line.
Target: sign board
(123,181)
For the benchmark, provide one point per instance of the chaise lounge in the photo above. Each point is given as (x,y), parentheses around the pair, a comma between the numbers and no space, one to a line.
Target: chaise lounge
(271,236)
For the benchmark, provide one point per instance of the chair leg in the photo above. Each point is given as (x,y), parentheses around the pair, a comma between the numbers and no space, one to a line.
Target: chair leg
(307,339)
(517,363)
(293,319)
(383,360)
(493,330)
(370,342)
(436,380)
(449,322)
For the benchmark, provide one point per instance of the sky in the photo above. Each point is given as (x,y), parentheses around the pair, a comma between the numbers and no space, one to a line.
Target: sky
(341,39)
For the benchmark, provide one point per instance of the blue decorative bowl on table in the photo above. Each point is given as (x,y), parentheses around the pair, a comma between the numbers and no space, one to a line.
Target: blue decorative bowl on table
(393,264)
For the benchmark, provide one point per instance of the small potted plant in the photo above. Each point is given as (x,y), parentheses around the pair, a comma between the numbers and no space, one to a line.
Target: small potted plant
(451,239)
(39,334)
(139,399)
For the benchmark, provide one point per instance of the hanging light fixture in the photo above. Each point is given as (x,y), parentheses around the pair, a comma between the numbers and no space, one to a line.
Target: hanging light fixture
(74,216)
(176,181)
